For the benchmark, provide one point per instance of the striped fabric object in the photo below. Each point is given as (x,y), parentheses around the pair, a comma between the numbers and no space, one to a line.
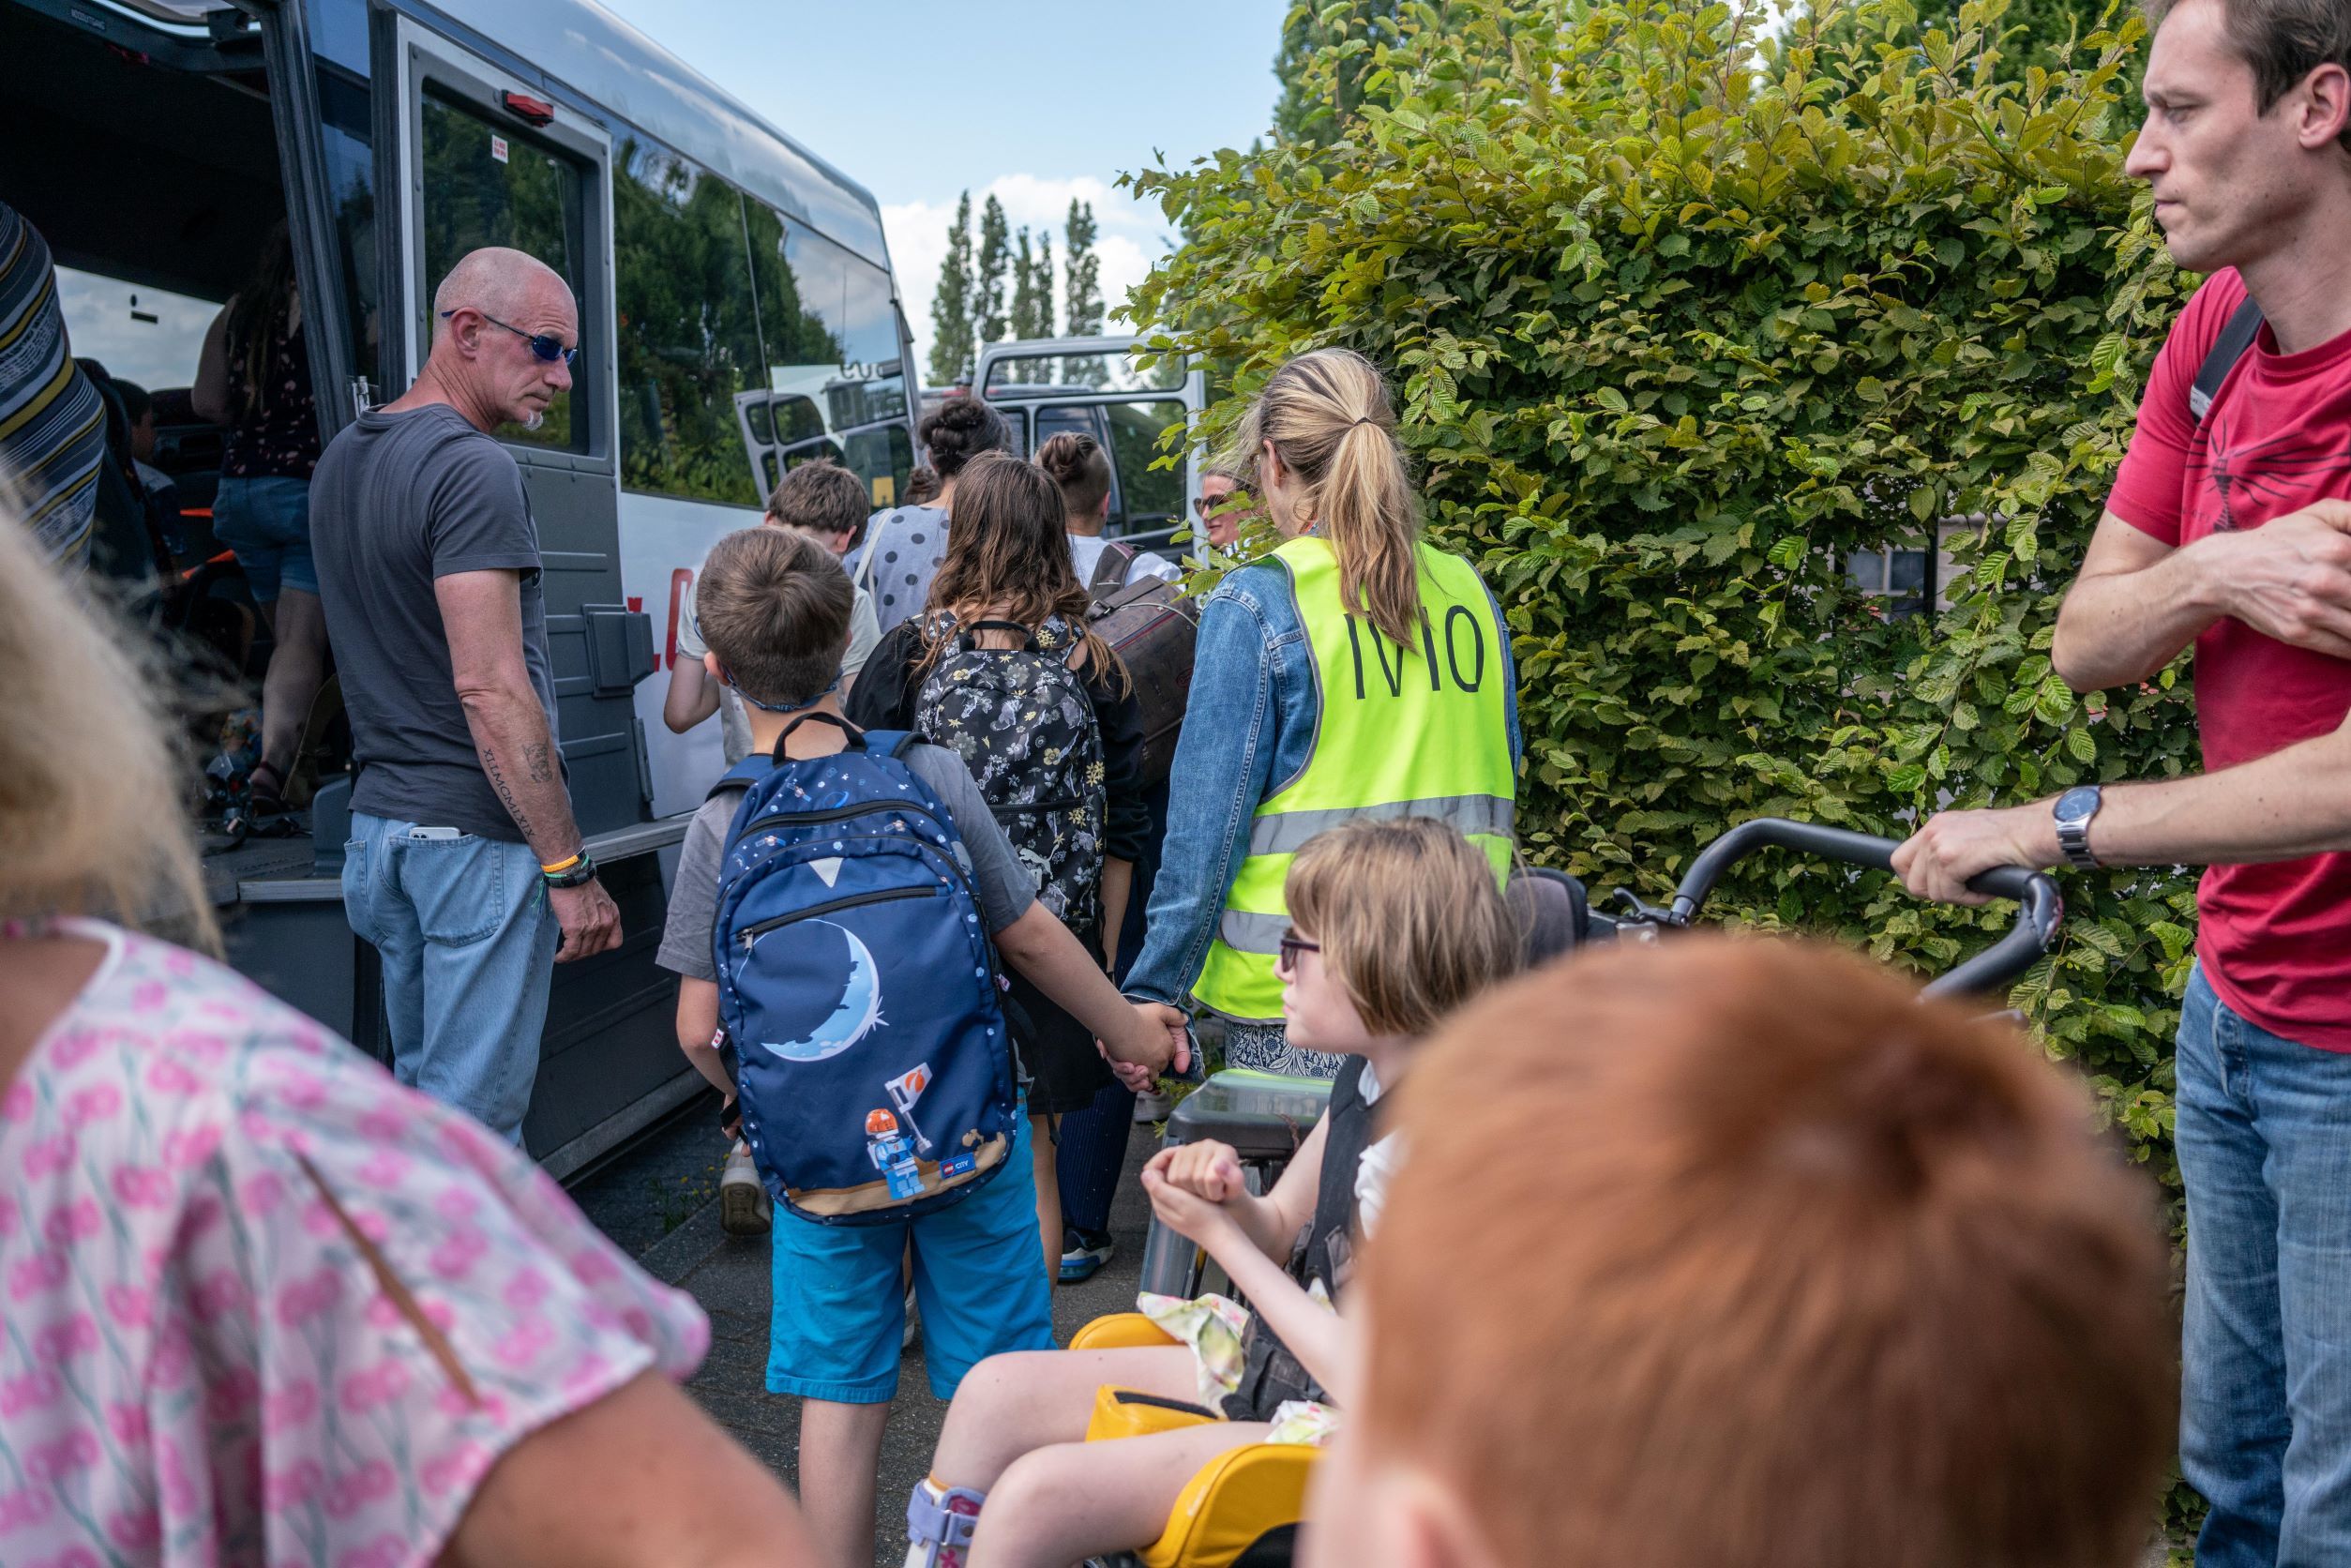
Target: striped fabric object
(52,423)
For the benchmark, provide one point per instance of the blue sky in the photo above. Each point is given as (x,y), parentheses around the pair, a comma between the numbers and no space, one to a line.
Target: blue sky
(1037,100)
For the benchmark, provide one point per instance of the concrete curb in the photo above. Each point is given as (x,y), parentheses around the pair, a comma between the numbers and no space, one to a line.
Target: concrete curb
(686,1248)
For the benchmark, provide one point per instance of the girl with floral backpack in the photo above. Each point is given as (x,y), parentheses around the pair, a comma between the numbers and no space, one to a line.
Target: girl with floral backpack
(1002,669)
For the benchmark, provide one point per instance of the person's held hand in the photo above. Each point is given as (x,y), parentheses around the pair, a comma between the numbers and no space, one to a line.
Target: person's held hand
(590,922)
(1137,1077)
(1937,861)
(1185,1211)
(1208,1170)
(1158,1039)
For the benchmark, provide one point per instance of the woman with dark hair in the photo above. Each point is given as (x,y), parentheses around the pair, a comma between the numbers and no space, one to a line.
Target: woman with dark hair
(255,378)
(1002,669)
(905,544)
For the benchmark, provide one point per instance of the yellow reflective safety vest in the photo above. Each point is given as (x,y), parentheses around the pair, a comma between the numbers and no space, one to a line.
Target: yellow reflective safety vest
(1419,731)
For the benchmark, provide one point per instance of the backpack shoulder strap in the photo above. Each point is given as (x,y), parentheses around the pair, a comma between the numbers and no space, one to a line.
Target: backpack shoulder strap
(2230,347)
(749,771)
(892,743)
(1111,569)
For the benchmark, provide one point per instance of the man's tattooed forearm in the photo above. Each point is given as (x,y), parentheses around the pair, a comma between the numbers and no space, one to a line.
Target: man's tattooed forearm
(506,794)
(537,764)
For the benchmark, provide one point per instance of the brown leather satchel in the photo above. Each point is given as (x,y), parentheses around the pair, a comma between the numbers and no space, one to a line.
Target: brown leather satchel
(1150,625)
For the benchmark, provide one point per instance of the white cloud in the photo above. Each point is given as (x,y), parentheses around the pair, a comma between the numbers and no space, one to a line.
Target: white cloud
(1131,236)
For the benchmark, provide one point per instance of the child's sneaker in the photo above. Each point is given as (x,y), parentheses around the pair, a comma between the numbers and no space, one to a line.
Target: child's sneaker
(1083,1254)
(1152,1106)
(742,1203)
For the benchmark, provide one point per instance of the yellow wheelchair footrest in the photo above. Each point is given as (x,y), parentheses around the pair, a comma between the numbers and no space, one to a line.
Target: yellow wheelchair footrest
(1233,1500)
(1120,1331)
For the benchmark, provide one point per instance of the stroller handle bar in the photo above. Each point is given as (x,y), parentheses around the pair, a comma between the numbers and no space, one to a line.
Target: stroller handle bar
(2039,908)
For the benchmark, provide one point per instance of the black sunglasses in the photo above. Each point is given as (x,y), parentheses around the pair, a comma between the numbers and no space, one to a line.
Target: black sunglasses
(1207,506)
(546,347)
(1293,944)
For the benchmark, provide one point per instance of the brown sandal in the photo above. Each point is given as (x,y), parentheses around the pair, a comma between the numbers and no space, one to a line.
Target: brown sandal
(266,798)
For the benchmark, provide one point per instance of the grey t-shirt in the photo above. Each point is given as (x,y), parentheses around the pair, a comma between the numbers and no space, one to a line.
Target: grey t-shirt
(399,501)
(1005,890)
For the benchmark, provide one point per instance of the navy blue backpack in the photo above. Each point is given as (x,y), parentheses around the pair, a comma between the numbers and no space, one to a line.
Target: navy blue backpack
(857,987)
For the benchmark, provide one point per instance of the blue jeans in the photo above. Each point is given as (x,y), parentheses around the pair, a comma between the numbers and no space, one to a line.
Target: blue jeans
(468,943)
(2264,1136)
(266,521)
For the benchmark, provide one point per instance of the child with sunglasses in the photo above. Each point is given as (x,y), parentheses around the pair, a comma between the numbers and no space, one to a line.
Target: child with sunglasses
(1394,923)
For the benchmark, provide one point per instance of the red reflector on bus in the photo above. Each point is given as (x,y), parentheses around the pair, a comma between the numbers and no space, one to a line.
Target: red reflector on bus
(536,110)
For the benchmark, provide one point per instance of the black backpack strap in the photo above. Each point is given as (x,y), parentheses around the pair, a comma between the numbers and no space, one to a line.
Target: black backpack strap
(2230,347)
(857,737)
(1111,569)
(965,635)
(892,743)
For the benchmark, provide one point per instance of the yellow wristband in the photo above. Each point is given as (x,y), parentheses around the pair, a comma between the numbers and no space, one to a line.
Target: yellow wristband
(562,866)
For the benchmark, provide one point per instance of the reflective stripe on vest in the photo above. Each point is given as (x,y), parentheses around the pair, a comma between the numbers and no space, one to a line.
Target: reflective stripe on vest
(1418,731)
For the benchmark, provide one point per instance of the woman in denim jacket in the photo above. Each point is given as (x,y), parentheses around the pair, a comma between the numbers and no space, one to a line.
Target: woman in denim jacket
(1328,467)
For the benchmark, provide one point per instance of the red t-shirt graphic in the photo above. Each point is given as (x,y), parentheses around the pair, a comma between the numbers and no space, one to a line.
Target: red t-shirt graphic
(2275,939)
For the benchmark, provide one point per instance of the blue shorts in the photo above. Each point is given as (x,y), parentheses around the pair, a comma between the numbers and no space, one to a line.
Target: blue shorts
(266,521)
(979,1275)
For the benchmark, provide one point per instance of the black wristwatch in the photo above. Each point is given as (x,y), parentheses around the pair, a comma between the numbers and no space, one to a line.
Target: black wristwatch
(577,874)
(2073,809)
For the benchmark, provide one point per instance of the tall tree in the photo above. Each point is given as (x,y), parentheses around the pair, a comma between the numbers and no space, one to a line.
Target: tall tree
(994,261)
(1081,294)
(951,307)
(1044,277)
(1024,288)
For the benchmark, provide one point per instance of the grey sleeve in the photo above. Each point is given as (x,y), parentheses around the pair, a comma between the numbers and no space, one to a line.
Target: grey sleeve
(479,518)
(694,895)
(1005,889)
(865,630)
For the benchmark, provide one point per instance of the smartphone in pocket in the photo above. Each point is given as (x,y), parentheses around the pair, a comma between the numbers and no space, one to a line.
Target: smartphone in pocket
(436,834)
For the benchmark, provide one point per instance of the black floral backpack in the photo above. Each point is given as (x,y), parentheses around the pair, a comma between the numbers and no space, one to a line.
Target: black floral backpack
(1021,721)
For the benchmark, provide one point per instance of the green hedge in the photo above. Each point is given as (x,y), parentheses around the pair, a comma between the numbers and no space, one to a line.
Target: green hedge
(1682,314)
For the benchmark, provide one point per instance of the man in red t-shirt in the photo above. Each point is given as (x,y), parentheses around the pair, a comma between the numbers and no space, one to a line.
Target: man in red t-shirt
(2232,531)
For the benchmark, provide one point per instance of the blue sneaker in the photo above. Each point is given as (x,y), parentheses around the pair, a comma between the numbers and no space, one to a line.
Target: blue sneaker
(1083,1256)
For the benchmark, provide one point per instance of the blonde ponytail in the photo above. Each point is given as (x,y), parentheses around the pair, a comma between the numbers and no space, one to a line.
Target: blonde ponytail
(1329,417)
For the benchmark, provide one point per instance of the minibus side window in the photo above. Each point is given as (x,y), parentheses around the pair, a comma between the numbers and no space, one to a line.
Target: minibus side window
(688,333)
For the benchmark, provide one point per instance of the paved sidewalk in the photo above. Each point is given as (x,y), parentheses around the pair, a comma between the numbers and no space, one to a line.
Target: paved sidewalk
(730,1278)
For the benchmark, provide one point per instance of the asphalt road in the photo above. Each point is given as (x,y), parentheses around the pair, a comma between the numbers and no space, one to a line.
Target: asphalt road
(659,1202)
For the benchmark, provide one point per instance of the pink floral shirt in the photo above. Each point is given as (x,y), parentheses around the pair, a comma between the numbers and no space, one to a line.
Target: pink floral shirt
(199,1361)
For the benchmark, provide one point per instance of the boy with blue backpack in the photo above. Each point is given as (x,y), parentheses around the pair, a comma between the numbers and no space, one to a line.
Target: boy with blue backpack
(840,906)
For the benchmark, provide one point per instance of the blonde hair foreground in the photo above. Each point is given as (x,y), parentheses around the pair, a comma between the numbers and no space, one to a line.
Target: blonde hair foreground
(91,817)
(1734,1252)
(1409,917)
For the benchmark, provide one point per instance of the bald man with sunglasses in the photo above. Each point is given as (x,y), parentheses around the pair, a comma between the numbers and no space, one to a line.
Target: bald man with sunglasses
(466,869)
